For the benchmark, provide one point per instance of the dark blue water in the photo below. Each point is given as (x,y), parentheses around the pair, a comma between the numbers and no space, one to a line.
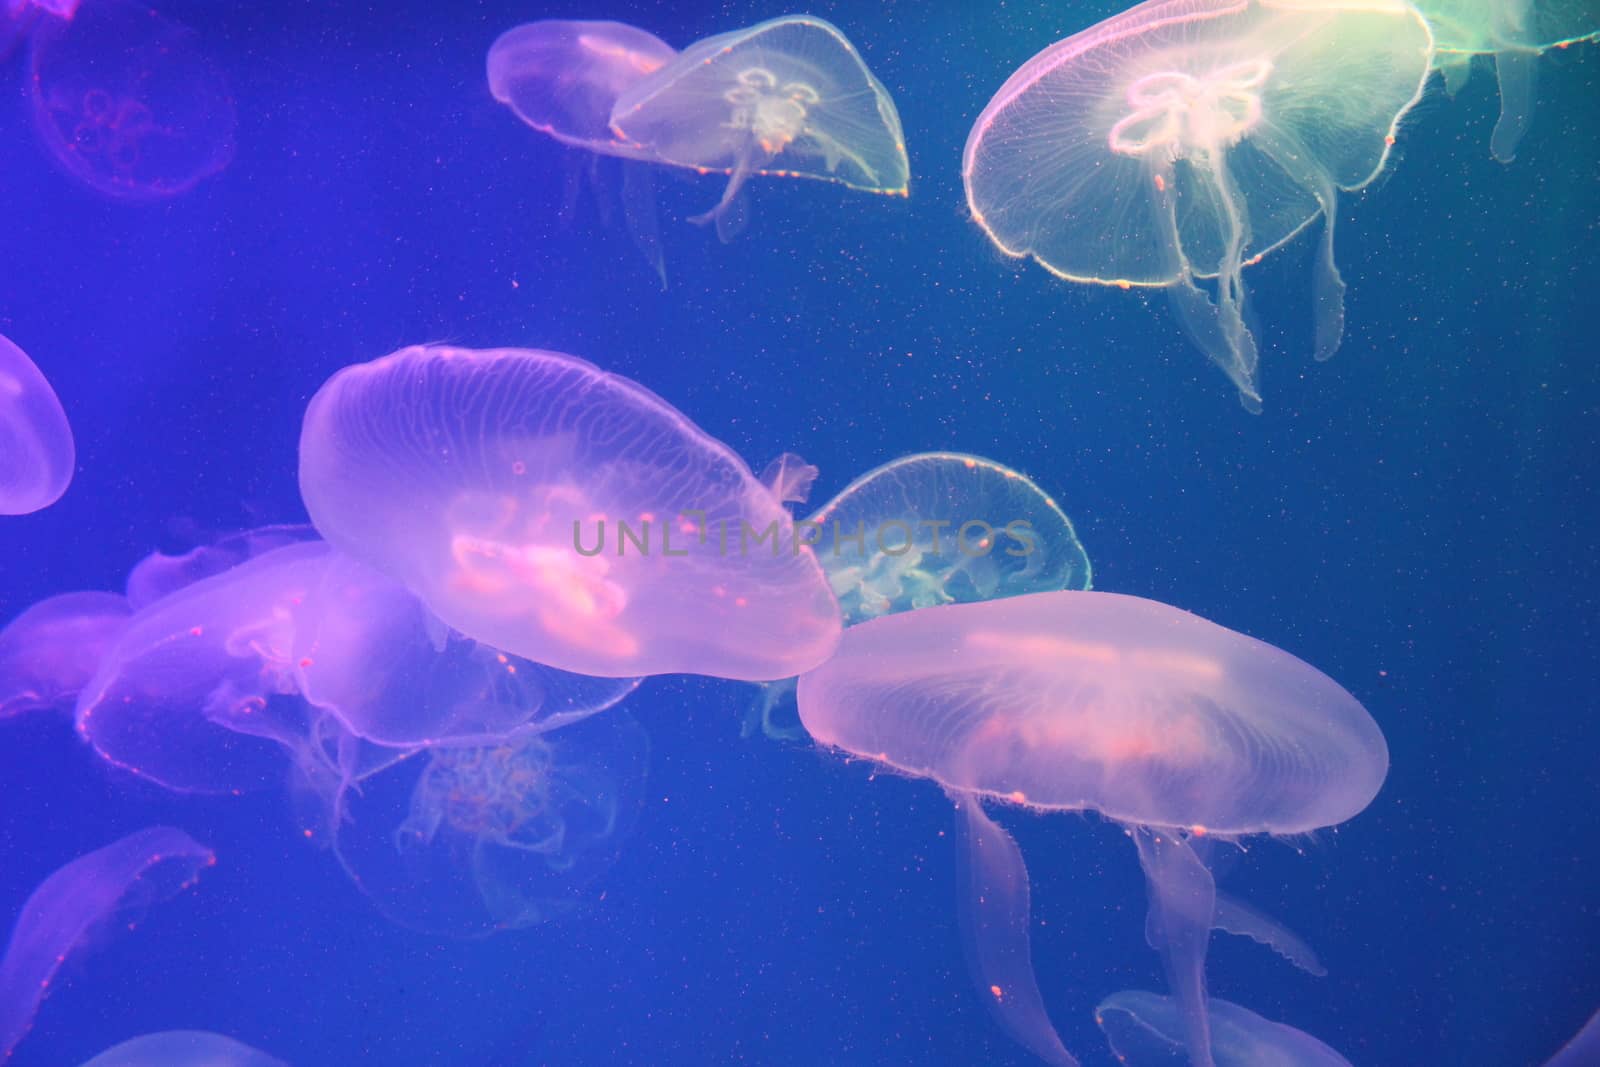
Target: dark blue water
(1416,517)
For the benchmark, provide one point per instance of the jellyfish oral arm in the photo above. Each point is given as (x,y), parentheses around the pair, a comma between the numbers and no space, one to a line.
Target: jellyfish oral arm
(1182,910)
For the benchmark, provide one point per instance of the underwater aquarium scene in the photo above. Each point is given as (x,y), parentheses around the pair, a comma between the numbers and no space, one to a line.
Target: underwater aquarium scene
(987,533)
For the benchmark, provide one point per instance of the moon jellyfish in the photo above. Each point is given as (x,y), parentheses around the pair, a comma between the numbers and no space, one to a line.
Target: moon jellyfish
(1514,32)
(36,451)
(49,652)
(1073,701)
(183,1048)
(471,841)
(80,898)
(159,575)
(1144,1029)
(128,103)
(562,514)
(1583,1049)
(789,97)
(1186,140)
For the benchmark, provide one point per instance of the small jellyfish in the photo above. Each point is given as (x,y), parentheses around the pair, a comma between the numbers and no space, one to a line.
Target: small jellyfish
(49,652)
(36,451)
(1176,142)
(128,103)
(1175,727)
(562,514)
(183,1048)
(80,898)
(789,97)
(1144,1029)
(472,841)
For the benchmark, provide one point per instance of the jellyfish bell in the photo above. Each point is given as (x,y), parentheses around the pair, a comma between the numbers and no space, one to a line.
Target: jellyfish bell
(562,514)
(36,449)
(183,1048)
(1173,726)
(789,97)
(1145,1028)
(1180,141)
(49,652)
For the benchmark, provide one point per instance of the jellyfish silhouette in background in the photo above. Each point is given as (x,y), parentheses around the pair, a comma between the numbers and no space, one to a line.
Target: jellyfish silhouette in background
(1183,140)
(159,575)
(36,449)
(562,78)
(128,103)
(17,17)
(562,514)
(183,1048)
(1584,1048)
(471,841)
(142,868)
(1514,32)
(934,528)
(49,652)
(1174,727)
(1144,1029)
(789,97)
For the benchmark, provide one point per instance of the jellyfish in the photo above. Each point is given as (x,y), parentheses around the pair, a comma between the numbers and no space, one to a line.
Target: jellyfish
(1583,1049)
(1144,1029)
(789,97)
(159,575)
(562,78)
(183,1048)
(36,451)
(562,514)
(1514,32)
(470,841)
(128,103)
(60,915)
(1174,727)
(1181,141)
(49,652)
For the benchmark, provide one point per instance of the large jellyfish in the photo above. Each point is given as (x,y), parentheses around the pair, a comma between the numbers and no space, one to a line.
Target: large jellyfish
(1071,701)
(128,102)
(1514,32)
(469,841)
(61,914)
(49,652)
(1186,139)
(1144,1029)
(557,512)
(788,97)
(183,1048)
(36,451)
(562,78)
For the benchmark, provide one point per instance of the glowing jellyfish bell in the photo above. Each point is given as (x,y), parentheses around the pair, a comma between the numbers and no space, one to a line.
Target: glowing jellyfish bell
(36,449)
(1069,701)
(1145,1029)
(1182,140)
(562,514)
(790,97)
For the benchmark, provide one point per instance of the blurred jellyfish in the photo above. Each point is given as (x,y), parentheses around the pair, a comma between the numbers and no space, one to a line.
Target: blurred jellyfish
(562,78)
(1070,701)
(562,514)
(471,841)
(158,574)
(128,103)
(49,652)
(1584,1048)
(789,97)
(80,898)
(1178,141)
(183,1048)
(1144,1029)
(36,451)
(1514,32)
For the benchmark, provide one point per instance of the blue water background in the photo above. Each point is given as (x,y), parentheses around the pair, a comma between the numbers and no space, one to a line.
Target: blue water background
(1417,518)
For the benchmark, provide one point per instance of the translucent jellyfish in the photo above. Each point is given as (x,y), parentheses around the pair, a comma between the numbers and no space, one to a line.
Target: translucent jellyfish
(1145,1029)
(49,652)
(471,841)
(546,508)
(1183,140)
(1584,1048)
(79,899)
(36,451)
(183,1048)
(789,97)
(1175,727)
(1514,32)
(128,103)
(159,575)
(562,78)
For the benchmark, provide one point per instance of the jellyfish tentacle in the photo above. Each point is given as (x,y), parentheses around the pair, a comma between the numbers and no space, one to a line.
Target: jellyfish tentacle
(1328,287)
(1517,72)
(730,213)
(1182,909)
(639,213)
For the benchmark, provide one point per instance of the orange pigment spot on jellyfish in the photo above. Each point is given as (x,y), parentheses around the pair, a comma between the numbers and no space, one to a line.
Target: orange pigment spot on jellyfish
(1017,796)
(740,602)
(196,631)
(1161,183)
(997,992)
(1198,830)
